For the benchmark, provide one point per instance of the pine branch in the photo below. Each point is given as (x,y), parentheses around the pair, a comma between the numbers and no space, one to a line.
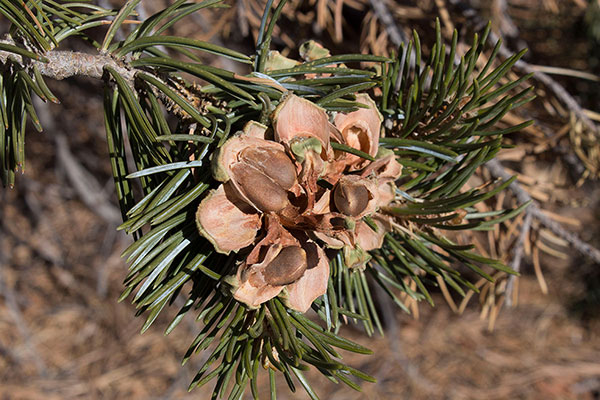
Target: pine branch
(442,115)
(495,167)
(65,64)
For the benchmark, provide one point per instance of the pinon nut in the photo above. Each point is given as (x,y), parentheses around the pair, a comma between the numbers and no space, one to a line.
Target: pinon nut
(351,199)
(273,163)
(265,194)
(287,267)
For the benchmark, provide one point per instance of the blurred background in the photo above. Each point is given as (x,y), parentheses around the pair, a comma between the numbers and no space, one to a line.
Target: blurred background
(64,336)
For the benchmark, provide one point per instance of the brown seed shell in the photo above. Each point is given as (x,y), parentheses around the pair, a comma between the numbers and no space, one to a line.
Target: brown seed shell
(351,199)
(287,267)
(228,154)
(260,190)
(273,163)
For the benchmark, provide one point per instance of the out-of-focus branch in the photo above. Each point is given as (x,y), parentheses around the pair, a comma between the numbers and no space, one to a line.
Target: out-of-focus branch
(505,23)
(518,256)
(387,18)
(86,186)
(557,89)
(497,170)
(12,305)
(84,183)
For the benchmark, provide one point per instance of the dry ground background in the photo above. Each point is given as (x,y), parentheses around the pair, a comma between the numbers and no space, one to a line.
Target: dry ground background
(64,336)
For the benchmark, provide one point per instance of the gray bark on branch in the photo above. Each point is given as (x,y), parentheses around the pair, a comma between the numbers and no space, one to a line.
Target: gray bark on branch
(65,64)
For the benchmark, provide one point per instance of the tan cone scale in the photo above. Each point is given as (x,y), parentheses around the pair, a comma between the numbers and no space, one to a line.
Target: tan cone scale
(220,214)
(361,129)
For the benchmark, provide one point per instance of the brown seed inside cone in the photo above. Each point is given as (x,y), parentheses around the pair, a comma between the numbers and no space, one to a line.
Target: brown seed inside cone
(287,267)
(351,199)
(265,194)
(273,163)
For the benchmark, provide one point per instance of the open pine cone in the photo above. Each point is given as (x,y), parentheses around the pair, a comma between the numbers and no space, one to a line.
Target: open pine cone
(287,194)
